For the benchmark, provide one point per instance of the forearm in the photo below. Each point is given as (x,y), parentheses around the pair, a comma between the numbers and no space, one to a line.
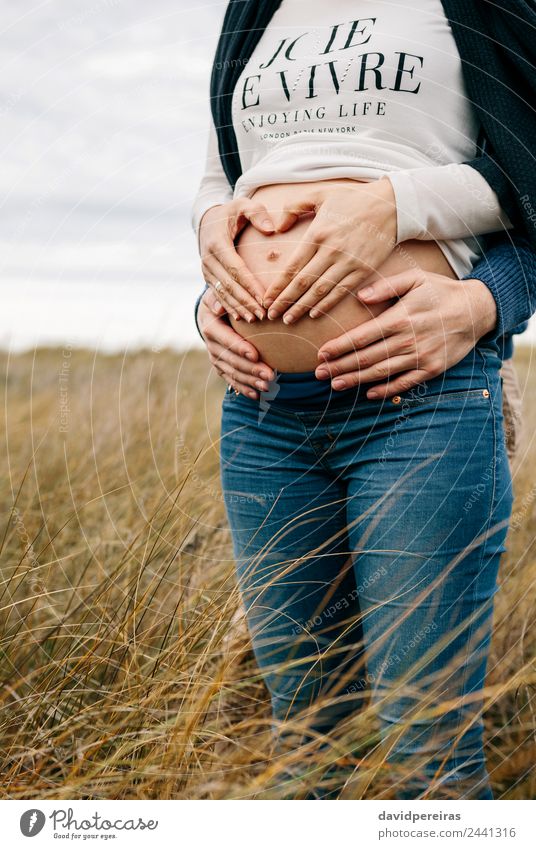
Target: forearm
(445,202)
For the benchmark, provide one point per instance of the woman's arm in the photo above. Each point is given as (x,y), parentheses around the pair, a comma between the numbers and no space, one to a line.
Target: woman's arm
(449,201)
(217,219)
(214,188)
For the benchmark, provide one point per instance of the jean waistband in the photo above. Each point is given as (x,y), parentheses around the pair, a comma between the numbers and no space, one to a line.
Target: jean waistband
(302,391)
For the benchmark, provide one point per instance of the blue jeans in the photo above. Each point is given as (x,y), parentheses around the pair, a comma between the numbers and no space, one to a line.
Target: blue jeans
(367,537)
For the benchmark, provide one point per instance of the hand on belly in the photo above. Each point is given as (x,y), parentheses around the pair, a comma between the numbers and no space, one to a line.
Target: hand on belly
(291,348)
(294,348)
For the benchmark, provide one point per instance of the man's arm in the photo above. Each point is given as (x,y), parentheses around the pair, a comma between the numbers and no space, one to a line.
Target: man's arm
(508,269)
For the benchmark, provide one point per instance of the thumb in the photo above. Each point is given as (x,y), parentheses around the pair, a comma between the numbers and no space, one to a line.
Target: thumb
(289,214)
(385,288)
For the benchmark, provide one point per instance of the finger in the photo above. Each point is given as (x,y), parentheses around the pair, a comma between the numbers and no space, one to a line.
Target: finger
(218,332)
(385,288)
(253,373)
(328,282)
(257,214)
(320,268)
(213,304)
(237,281)
(229,303)
(399,385)
(394,320)
(229,293)
(365,358)
(235,380)
(383,370)
(304,254)
(286,217)
(393,346)
(346,285)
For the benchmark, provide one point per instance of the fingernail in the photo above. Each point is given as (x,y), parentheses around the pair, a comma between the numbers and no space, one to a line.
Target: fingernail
(366,292)
(259,314)
(314,314)
(273,314)
(324,355)
(250,318)
(264,375)
(322,373)
(252,395)
(372,395)
(259,300)
(262,386)
(338,384)
(267,302)
(249,356)
(236,316)
(288,319)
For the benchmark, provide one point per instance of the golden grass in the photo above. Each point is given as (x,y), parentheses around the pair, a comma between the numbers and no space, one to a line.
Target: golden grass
(125,668)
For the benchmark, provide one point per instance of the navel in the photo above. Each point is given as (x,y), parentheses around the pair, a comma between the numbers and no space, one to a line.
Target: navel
(273,254)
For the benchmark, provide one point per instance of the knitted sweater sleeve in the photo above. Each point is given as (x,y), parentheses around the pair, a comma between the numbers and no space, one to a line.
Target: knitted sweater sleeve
(508,268)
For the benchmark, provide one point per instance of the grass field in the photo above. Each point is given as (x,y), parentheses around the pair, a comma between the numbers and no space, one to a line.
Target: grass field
(125,668)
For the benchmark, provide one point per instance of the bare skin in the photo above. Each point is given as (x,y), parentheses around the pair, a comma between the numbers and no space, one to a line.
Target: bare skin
(424,319)
(295,347)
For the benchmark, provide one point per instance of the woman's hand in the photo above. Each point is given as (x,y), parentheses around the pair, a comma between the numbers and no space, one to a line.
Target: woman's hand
(240,292)
(432,325)
(352,233)
(235,359)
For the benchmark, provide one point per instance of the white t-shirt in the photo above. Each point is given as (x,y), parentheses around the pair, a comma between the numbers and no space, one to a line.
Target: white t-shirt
(362,89)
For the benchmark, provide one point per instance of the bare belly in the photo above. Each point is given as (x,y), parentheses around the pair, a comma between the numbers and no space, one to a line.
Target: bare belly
(294,348)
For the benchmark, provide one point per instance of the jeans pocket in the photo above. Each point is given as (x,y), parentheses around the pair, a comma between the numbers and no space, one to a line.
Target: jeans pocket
(414,398)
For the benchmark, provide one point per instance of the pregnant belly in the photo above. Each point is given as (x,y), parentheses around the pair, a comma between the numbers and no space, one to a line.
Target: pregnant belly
(295,348)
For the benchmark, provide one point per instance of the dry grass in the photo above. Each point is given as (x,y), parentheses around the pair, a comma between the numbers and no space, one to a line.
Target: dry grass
(124,670)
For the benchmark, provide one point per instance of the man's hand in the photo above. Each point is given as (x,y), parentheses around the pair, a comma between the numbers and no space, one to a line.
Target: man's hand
(235,359)
(432,325)
(352,233)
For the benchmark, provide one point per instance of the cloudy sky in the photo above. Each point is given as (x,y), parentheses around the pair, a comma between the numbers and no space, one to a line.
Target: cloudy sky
(104,110)
(104,113)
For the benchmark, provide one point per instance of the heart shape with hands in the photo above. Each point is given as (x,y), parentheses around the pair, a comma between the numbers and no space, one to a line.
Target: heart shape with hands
(432,321)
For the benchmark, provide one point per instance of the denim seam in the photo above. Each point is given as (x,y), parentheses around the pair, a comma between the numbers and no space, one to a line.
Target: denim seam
(457,761)
(312,446)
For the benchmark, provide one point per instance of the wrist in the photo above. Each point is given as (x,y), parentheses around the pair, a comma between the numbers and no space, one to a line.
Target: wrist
(204,221)
(483,307)
(387,211)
